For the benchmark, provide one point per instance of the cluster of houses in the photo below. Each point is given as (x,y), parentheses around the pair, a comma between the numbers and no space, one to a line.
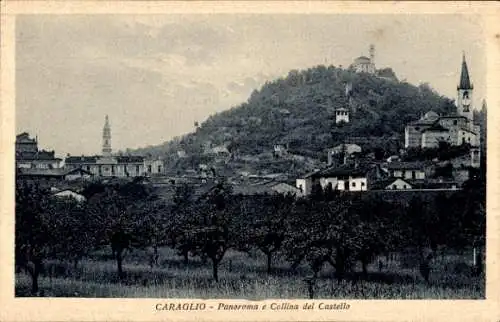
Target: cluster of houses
(353,173)
(348,169)
(33,163)
(456,129)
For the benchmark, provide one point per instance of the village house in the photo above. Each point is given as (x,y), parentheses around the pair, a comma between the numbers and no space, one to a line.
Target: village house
(340,178)
(407,170)
(29,156)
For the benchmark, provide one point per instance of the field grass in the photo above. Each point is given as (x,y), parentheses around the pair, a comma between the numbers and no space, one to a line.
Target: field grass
(244,276)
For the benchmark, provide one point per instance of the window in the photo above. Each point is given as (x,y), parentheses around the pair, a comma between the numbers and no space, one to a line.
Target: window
(137,169)
(362,184)
(159,168)
(88,168)
(112,169)
(149,168)
(455,122)
(354,184)
(404,186)
(466,94)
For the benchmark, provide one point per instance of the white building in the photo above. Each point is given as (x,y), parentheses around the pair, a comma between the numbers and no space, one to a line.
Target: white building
(406,170)
(342,178)
(341,115)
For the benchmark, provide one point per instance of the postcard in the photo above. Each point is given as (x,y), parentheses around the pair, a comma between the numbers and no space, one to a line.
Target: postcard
(242,161)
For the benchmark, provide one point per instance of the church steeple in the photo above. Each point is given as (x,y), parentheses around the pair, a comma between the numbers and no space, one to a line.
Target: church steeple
(464,93)
(464,76)
(106,138)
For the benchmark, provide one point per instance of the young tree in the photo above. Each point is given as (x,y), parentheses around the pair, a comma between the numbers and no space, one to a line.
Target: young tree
(263,223)
(209,231)
(33,242)
(119,210)
(73,233)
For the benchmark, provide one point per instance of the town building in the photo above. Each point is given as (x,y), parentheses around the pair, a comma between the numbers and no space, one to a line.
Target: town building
(339,178)
(456,129)
(109,165)
(28,156)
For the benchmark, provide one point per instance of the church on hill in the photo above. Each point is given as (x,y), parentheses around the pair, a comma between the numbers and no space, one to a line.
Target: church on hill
(457,128)
(363,64)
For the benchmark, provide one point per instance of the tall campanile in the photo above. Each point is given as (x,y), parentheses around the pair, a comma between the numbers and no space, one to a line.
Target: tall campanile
(106,138)
(464,92)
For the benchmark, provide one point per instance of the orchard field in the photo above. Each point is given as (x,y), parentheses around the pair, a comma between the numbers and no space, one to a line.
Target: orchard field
(123,241)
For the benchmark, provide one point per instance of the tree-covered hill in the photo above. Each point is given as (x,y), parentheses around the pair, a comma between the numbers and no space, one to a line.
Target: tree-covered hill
(298,111)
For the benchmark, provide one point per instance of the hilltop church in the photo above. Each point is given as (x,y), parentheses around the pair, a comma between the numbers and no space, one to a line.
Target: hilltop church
(457,128)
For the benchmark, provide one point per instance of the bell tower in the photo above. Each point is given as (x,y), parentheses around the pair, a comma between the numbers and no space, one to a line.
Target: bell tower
(464,92)
(106,138)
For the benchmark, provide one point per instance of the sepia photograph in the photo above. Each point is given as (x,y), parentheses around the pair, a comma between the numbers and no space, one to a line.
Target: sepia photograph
(250,156)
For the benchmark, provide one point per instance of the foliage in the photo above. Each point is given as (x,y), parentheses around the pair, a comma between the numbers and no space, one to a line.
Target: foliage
(298,110)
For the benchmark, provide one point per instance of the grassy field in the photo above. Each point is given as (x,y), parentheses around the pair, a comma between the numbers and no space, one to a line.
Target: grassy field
(245,277)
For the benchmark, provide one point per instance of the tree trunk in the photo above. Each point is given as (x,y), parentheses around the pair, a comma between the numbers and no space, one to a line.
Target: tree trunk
(364,265)
(119,262)
(35,273)
(269,261)
(215,269)
(339,266)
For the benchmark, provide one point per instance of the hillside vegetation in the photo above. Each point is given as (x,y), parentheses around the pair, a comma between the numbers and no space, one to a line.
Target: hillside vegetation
(298,110)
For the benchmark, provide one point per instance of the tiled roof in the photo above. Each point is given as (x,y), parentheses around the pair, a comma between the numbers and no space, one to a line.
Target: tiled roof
(405,165)
(130,159)
(452,116)
(39,155)
(362,59)
(82,159)
(340,172)
(59,172)
(435,128)
(93,159)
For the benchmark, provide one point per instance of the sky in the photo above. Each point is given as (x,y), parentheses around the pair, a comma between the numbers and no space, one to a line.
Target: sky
(155,75)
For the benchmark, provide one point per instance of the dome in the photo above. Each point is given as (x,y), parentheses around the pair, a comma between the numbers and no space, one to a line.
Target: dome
(362,59)
(431,116)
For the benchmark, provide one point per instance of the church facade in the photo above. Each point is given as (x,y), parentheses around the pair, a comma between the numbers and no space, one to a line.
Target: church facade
(108,165)
(456,129)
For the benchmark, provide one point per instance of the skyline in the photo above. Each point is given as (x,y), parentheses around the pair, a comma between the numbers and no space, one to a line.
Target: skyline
(156,75)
